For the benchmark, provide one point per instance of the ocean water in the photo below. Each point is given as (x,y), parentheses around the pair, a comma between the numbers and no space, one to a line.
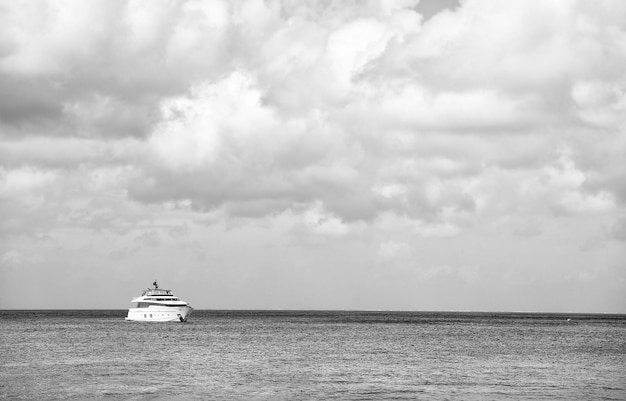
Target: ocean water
(267,355)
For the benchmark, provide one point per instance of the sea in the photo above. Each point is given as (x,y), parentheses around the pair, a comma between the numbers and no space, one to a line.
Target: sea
(312,355)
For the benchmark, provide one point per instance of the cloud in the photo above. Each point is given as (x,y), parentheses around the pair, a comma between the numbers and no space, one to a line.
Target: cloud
(213,123)
(320,222)
(599,103)
(331,122)
(321,109)
(366,111)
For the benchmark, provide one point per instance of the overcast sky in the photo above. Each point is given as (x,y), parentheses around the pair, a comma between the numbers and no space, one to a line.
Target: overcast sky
(311,154)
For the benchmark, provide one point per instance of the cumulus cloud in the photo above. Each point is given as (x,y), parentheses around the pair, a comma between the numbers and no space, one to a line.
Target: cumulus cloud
(263,105)
(344,116)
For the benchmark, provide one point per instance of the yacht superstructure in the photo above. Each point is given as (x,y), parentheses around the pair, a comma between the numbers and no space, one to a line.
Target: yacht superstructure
(159,305)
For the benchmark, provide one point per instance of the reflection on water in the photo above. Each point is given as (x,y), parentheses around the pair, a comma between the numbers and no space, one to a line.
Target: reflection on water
(227,355)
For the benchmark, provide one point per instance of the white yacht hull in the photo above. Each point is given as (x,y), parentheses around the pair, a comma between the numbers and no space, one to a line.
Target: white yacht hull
(155,313)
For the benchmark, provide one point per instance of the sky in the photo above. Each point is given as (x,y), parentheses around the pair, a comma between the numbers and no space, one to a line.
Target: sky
(314,154)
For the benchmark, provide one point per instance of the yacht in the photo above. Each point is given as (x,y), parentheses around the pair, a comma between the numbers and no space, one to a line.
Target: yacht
(158,305)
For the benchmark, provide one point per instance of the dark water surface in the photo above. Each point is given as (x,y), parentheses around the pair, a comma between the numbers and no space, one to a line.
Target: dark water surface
(249,355)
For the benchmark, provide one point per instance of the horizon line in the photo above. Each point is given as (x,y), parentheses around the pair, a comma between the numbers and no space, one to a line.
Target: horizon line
(335,310)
